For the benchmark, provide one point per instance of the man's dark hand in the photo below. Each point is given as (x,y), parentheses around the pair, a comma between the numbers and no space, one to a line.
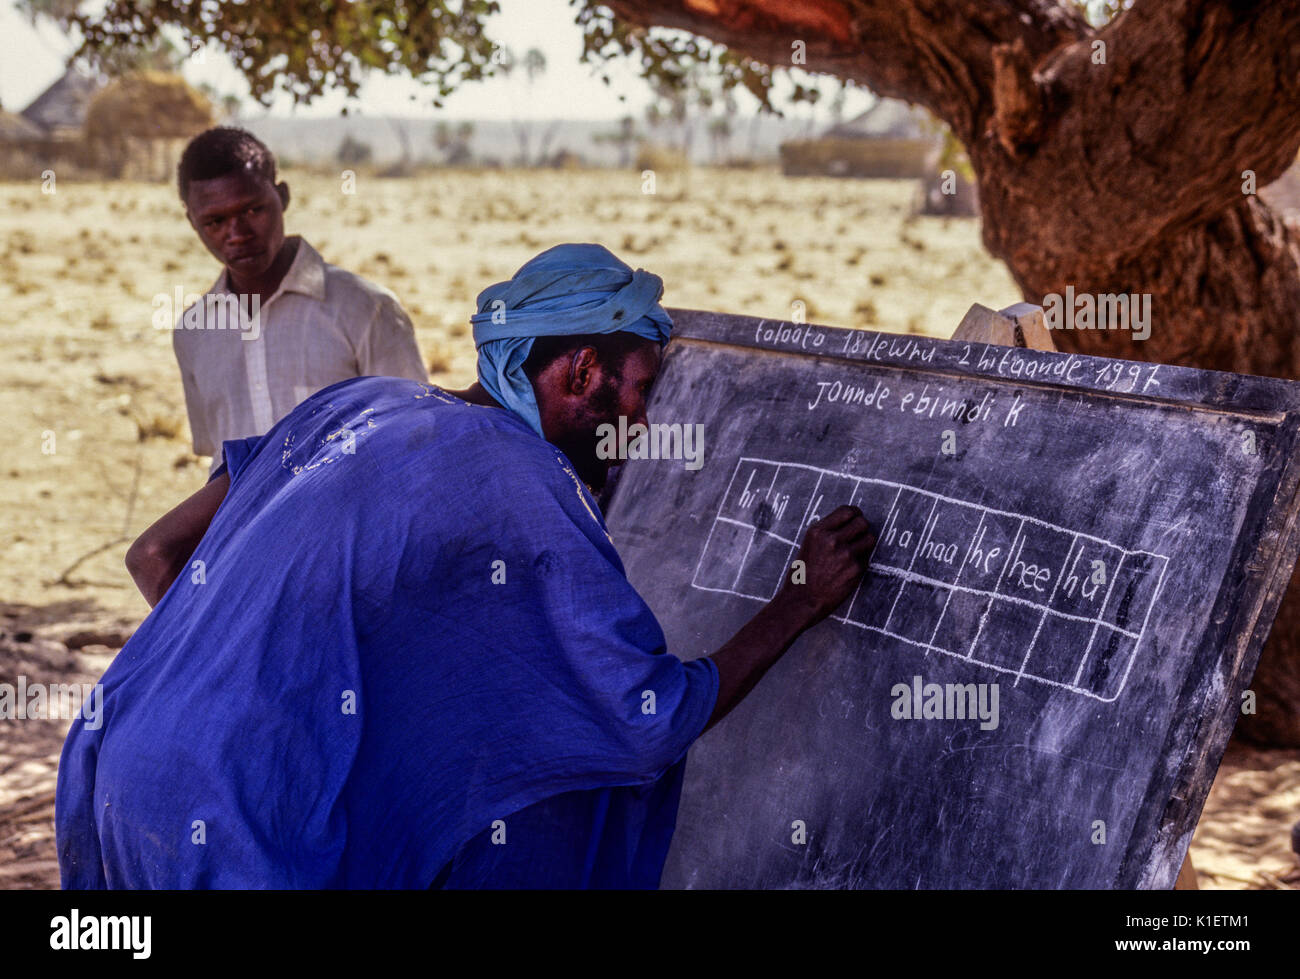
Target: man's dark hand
(834,558)
(835,553)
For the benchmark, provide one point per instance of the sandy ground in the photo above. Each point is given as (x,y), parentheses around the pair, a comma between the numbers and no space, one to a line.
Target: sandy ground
(97,444)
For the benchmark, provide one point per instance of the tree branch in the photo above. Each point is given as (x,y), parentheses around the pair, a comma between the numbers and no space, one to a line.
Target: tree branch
(1178,99)
(936,53)
(1017,99)
(1190,94)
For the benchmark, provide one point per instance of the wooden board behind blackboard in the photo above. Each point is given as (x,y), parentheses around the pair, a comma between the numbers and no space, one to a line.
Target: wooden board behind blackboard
(1000,480)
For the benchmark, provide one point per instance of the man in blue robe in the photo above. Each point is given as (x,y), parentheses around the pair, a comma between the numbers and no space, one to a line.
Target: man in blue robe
(393,645)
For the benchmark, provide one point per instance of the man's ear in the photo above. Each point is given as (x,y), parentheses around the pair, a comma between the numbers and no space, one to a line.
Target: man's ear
(282,191)
(582,370)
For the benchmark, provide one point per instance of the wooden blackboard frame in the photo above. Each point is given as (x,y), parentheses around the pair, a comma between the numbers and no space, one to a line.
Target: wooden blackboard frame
(1266,548)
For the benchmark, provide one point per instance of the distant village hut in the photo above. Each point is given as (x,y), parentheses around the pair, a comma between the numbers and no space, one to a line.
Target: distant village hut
(139,124)
(48,133)
(890,140)
(60,111)
(20,143)
(14,129)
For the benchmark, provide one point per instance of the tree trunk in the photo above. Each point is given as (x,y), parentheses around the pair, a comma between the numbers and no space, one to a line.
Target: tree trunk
(1109,160)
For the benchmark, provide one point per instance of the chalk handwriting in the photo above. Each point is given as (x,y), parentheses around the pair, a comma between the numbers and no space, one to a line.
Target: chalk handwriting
(1003,590)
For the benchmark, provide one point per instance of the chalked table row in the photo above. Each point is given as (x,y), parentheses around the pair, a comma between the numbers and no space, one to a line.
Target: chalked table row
(1007,591)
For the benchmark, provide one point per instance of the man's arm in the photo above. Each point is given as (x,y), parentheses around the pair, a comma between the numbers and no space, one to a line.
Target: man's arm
(161,553)
(835,553)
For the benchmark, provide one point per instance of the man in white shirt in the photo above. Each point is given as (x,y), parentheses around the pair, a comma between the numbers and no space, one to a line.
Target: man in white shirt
(297,324)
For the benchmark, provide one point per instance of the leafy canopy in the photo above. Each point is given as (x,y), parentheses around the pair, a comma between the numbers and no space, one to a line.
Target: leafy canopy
(308,47)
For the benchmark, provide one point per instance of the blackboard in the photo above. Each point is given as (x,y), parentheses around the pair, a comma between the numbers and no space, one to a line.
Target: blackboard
(1000,481)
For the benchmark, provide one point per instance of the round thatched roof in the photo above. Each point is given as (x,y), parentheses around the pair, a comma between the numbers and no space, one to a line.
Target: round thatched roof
(14,128)
(61,108)
(148,105)
(887,119)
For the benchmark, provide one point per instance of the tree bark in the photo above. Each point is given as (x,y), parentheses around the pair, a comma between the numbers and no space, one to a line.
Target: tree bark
(1111,160)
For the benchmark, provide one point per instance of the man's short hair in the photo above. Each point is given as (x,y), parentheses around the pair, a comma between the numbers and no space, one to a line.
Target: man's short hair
(221,151)
(612,349)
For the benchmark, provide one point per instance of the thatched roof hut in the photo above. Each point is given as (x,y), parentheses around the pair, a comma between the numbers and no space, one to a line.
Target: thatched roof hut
(148,105)
(891,139)
(26,148)
(15,129)
(139,123)
(60,111)
(887,119)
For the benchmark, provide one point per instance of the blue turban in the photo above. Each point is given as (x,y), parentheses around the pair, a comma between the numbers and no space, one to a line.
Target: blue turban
(566,290)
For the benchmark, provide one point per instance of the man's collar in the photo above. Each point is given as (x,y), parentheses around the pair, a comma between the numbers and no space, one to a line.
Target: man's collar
(306,275)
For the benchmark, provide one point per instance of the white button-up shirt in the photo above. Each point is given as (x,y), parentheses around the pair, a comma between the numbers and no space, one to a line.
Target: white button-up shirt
(324,324)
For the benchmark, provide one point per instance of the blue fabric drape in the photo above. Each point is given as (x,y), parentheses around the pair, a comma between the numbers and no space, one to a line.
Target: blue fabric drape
(405,621)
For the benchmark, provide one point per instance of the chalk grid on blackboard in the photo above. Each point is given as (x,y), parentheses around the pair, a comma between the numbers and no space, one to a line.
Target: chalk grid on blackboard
(1017,575)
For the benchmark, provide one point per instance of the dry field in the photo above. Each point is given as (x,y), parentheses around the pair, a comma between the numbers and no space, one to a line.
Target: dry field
(86,375)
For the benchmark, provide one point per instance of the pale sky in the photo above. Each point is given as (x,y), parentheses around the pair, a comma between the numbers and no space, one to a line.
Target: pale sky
(30,59)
